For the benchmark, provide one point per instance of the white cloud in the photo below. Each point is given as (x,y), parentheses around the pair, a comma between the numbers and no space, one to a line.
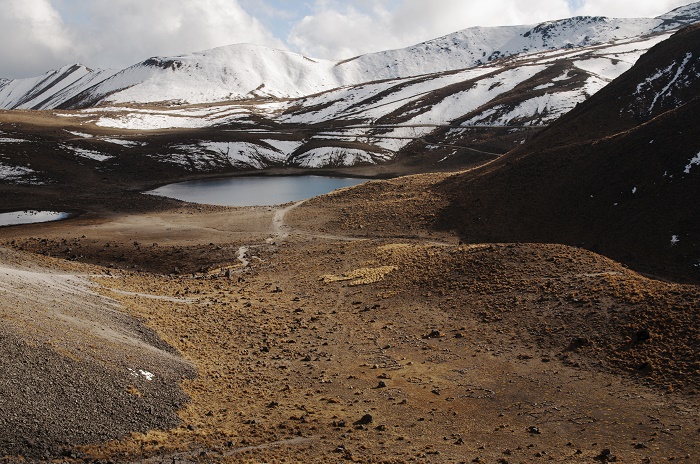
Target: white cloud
(337,30)
(33,36)
(37,35)
(123,32)
(629,8)
(341,29)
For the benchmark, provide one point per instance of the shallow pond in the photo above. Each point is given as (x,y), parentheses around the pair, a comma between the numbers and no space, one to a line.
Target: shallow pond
(253,191)
(30,217)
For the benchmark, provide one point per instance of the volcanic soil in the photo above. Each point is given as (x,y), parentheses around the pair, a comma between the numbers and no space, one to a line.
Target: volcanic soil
(343,328)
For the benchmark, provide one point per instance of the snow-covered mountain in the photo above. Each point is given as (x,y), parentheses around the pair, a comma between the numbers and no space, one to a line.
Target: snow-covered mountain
(247,71)
(443,113)
(50,90)
(457,101)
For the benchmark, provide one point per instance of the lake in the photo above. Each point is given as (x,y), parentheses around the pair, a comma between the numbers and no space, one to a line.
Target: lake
(30,217)
(253,191)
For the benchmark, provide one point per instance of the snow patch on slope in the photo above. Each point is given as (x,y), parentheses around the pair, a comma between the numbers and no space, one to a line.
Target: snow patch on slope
(137,121)
(672,77)
(695,161)
(18,174)
(604,67)
(285,147)
(89,154)
(336,156)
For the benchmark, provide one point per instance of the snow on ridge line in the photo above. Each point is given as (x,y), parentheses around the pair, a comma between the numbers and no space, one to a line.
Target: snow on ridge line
(50,89)
(244,71)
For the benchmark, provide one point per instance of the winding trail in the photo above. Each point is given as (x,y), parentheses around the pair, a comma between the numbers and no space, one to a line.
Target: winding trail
(279,228)
(189,456)
(241,255)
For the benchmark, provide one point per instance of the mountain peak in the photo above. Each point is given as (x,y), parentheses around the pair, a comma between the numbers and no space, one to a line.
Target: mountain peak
(687,13)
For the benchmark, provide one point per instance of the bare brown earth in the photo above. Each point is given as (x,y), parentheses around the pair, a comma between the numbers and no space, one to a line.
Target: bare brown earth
(346,329)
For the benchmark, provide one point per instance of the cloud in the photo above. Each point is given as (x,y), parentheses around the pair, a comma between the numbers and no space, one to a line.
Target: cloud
(629,8)
(33,37)
(337,30)
(46,34)
(341,29)
(124,31)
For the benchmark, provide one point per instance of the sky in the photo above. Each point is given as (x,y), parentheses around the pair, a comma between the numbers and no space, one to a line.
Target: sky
(40,35)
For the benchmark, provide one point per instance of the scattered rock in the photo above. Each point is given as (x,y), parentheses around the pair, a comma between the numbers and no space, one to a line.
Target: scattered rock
(606,456)
(434,334)
(579,342)
(364,420)
(642,335)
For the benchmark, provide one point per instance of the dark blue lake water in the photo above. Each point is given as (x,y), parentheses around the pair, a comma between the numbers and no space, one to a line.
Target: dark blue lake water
(254,191)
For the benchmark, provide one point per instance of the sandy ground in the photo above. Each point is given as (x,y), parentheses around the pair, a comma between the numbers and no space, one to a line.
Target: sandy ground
(330,331)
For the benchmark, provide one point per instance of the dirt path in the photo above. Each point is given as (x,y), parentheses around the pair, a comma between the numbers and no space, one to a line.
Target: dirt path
(279,228)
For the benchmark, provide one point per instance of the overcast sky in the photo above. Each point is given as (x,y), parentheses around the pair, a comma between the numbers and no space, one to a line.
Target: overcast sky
(39,35)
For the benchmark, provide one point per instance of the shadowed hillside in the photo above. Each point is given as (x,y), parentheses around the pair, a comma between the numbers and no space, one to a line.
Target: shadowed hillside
(617,175)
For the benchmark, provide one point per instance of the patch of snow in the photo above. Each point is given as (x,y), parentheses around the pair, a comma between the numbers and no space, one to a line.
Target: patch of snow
(337,156)
(151,122)
(674,240)
(50,89)
(673,80)
(11,140)
(544,86)
(206,155)
(90,154)
(18,175)
(124,143)
(80,134)
(604,67)
(285,147)
(73,115)
(634,190)
(141,373)
(542,109)
(694,161)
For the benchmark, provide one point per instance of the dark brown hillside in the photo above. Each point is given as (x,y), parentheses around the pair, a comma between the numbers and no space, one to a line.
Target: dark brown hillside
(614,175)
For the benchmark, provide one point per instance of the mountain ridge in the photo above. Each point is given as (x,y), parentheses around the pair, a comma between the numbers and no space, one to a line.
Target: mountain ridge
(244,71)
